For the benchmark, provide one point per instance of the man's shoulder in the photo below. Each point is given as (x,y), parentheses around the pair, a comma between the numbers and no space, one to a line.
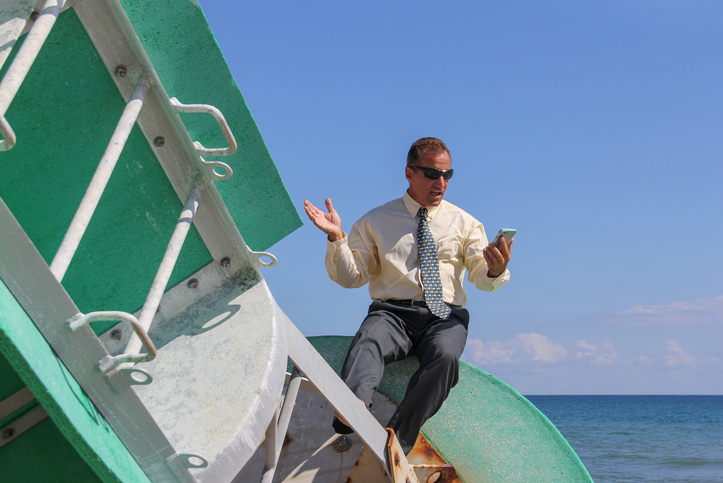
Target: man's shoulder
(453,209)
(390,208)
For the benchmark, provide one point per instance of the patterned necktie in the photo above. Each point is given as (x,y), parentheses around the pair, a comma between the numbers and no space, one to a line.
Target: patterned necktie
(429,265)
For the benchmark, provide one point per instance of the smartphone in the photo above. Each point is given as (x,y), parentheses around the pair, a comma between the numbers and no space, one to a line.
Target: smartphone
(507,233)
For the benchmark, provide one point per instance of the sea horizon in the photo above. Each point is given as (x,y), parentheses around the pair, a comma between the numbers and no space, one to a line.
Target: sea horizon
(641,438)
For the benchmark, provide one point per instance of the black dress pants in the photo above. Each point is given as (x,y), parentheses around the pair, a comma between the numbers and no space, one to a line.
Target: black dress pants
(392,331)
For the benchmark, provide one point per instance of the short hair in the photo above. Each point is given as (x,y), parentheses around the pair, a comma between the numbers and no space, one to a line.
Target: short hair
(423,146)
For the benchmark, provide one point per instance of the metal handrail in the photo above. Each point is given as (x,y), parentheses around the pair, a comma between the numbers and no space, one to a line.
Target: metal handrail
(98,183)
(163,274)
(20,66)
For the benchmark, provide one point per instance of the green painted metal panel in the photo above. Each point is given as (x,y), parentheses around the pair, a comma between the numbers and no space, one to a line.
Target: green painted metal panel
(189,62)
(32,456)
(485,428)
(64,115)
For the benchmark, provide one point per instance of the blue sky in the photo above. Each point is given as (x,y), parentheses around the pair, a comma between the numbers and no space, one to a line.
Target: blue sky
(594,128)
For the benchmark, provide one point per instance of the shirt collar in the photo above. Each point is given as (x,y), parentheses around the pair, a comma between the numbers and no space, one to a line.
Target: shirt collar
(413,207)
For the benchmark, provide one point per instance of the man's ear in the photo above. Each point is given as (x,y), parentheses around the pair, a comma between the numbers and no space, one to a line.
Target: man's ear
(408,173)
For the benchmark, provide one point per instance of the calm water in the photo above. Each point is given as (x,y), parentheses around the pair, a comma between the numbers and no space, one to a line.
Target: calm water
(642,439)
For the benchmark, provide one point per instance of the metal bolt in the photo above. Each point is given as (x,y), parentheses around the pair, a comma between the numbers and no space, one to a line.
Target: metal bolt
(225,262)
(121,71)
(8,433)
(193,283)
(34,15)
(159,142)
(342,443)
(116,334)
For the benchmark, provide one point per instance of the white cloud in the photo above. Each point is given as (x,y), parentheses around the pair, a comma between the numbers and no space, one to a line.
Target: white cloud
(523,347)
(539,347)
(677,356)
(604,354)
(679,312)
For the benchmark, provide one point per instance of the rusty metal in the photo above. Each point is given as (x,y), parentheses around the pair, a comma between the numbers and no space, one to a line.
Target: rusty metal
(367,469)
(429,466)
(401,470)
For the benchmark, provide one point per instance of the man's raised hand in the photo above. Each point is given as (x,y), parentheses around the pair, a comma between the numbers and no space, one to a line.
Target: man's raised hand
(329,223)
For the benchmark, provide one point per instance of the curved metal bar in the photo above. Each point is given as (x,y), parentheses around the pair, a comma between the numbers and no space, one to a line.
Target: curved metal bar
(208,109)
(109,363)
(8,140)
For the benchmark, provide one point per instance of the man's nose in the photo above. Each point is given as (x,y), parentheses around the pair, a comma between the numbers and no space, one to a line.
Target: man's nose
(441,182)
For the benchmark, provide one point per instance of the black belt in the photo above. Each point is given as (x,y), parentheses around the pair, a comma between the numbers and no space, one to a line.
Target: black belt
(418,303)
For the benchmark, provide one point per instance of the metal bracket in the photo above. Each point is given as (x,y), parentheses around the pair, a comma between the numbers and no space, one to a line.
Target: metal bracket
(109,363)
(22,424)
(258,262)
(121,378)
(400,469)
(15,402)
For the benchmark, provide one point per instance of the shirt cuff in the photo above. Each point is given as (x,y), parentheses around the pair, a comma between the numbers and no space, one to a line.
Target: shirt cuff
(333,246)
(495,283)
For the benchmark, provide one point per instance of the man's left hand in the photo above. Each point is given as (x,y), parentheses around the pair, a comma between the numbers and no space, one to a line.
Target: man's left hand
(497,257)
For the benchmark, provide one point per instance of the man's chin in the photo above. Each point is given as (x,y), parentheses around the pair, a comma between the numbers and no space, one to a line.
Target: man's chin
(434,200)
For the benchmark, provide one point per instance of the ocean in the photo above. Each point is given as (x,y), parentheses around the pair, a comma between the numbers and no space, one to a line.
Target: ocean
(642,439)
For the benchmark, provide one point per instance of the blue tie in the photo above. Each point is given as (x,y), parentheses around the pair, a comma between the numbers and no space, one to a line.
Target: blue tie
(429,265)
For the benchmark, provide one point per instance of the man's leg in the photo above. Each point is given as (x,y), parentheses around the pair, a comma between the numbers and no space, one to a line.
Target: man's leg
(439,349)
(381,339)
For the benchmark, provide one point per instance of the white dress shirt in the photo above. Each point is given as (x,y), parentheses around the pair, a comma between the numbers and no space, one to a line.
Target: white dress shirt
(382,250)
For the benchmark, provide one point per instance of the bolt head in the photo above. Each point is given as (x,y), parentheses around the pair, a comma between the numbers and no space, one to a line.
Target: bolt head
(34,15)
(121,71)
(342,443)
(8,433)
(159,141)
(225,262)
(116,334)
(193,283)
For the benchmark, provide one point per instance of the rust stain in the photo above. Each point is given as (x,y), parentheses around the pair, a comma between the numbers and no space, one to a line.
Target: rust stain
(429,465)
(396,459)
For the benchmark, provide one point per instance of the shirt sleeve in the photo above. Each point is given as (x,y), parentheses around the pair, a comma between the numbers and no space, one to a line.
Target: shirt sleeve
(349,261)
(477,265)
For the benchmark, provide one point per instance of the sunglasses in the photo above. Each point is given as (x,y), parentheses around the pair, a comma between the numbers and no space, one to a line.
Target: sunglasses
(434,173)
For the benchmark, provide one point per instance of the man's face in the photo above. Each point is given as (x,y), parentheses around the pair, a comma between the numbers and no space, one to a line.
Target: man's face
(428,192)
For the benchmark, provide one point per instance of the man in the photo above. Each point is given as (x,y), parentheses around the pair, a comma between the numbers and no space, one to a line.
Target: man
(413,252)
